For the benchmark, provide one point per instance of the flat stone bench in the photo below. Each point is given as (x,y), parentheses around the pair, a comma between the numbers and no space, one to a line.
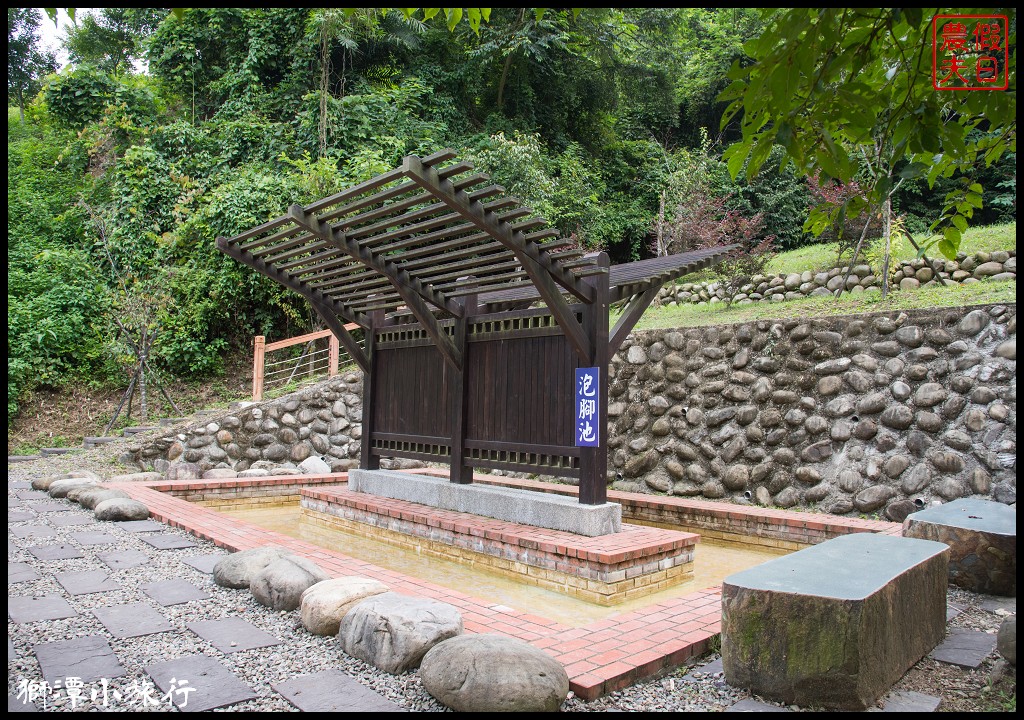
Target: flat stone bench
(836,624)
(982,537)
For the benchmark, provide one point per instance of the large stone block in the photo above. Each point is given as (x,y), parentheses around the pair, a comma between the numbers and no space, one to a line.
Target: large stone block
(545,510)
(393,632)
(834,625)
(982,537)
(492,673)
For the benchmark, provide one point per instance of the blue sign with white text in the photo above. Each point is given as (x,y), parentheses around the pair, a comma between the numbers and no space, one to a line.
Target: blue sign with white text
(588,432)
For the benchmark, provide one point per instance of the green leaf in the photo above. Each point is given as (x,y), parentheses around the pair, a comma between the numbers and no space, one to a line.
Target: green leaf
(948,248)
(960,222)
(913,170)
(428,13)
(453,15)
(760,153)
(539,13)
(735,155)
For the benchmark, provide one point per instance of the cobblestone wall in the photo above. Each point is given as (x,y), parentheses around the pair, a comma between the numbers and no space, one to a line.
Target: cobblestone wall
(323,420)
(865,414)
(1000,265)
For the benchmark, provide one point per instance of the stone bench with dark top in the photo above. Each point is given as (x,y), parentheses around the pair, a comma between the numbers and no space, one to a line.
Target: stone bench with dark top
(836,624)
(982,537)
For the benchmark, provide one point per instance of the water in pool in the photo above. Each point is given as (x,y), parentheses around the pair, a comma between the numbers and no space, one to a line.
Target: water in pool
(712,563)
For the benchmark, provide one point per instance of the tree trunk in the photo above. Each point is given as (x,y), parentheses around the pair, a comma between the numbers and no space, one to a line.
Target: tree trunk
(325,75)
(887,236)
(662,250)
(501,82)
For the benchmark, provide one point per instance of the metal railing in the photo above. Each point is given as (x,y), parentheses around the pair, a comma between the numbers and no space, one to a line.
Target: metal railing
(311,362)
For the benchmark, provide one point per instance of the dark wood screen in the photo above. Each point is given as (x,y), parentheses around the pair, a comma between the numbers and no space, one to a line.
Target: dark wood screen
(519,388)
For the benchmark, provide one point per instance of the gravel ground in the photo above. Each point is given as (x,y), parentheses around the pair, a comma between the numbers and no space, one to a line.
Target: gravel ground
(686,689)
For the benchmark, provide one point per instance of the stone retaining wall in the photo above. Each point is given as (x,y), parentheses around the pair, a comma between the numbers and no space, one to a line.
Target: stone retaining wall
(909,274)
(877,413)
(868,414)
(324,420)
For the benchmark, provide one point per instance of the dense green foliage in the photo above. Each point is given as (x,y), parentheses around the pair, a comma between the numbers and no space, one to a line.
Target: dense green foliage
(120,180)
(850,94)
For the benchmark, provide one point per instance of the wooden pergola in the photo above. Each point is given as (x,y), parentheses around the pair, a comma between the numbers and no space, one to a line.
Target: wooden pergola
(441,270)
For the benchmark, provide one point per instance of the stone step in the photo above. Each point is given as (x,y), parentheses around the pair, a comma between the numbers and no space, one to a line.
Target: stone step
(46,452)
(206,413)
(167,422)
(91,442)
(21,458)
(129,431)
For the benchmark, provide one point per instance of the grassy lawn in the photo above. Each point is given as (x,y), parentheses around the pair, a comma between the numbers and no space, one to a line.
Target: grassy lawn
(823,257)
(670,316)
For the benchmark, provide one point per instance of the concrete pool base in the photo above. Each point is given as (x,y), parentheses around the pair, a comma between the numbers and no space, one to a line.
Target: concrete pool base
(606,570)
(600,657)
(542,510)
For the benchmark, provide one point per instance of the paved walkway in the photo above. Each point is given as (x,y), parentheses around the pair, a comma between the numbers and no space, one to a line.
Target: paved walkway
(126,616)
(131,607)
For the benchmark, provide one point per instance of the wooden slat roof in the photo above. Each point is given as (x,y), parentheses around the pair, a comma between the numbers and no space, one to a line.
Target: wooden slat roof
(422,236)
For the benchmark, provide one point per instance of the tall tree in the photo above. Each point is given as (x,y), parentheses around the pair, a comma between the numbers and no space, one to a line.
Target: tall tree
(113,39)
(27,63)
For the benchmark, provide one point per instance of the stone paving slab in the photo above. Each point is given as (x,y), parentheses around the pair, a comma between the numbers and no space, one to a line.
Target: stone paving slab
(29,494)
(16,705)
(94,537)
(965,648)
(12,548)
(124,559)
(48,507)
(715,666)
(952,610)
(174,592)
(20,516)
(132,620)
(31,531)
(752,705)
(19,485)
(214,685)
(11,652)
(20,572)
(231,635)
(333,691)
(15,504)
(71,519)
(995,604)
(167,541)
(86,582)
(56,552)
(204,563)
(88,658)
(44,607)
(911,701)
(141,526)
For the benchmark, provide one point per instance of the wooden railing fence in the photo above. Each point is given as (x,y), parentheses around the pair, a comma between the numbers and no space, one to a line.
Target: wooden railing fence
(310,362)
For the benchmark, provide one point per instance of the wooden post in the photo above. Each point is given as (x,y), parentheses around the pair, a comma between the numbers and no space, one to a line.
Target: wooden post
(259,352)
(333,353)
(461,473)
(594,460)
(367,460)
